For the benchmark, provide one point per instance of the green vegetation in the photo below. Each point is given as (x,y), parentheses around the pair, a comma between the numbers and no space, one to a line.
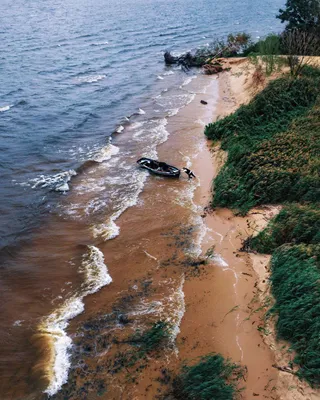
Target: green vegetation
(295,285)
(273,146)
(301,14)
(211,378)
(294,224)
(152,339)
(269,50)
(146,343)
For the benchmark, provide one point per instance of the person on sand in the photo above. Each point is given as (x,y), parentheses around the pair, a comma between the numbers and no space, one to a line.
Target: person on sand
(189,173)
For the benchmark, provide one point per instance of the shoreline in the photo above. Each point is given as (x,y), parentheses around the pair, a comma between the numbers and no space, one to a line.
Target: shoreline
(217,302)
(216,308)
(243,276)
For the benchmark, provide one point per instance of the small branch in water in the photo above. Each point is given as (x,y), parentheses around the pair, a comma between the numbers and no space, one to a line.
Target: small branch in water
(149,255)
(229,312)
(284,369)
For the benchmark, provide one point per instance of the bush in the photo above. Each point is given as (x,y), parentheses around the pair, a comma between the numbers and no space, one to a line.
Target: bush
(294,224)
(295,285)
(153,338)
(273,146)
(212,378)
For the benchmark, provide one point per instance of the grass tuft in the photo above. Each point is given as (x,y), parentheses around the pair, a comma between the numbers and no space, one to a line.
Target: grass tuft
(212,378)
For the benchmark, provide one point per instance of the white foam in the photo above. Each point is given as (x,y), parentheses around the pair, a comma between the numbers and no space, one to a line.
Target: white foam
(200,122)
(217,258)
(145,308)
(90,78)
(109,230)
(141,112)
(51,181)
(168,73)
(62,188)
(175,101)
(173,112)
(188,80)
(160,77)
(106,153)
(5,108)
(18,322)
(153,132)
(120,129)
(95,271)
(55,325)
(106,231)
(177,308)
(100,43)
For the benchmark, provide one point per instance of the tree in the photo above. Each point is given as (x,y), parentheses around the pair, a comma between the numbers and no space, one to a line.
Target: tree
(299,46)
(301,14)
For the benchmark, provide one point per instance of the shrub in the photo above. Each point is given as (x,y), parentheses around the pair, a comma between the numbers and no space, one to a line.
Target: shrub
(294,224)
(273,146)
(212,378)
(295,285)
(153,338)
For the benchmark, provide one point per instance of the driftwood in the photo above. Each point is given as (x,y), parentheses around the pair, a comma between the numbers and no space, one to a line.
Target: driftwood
(284,369)
(211,63)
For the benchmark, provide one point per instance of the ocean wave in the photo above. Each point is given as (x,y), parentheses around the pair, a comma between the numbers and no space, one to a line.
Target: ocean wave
(105,153)
(54,326)
(217,259)
(168,73)
(120,129)
(109,230)
(177,310)
(174,101)
(200,122)
(188,80)
(6,108)
(153,132)
(90,79)
(50,181)
(106,231)
(173,112)
(99,43)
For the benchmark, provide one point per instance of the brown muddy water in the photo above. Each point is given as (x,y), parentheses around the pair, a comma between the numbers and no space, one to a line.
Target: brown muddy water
(111,251)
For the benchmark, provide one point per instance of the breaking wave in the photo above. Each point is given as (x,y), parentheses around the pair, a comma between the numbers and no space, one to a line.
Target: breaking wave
(53,327)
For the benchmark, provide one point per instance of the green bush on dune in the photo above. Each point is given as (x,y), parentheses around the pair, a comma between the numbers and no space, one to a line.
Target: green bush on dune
(212,378)
(295,285)
(294,224)
(273,146)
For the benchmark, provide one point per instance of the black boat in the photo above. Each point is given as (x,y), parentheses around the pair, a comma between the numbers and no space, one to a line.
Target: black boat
(159,168)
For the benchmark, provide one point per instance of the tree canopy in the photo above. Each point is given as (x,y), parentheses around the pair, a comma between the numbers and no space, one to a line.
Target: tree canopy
(301,14)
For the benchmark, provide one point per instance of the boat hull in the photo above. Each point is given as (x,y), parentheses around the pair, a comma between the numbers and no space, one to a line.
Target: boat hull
(159,168)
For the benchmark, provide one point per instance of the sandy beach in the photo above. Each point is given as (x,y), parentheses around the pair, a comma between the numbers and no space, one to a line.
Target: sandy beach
(156,273)
(214,308)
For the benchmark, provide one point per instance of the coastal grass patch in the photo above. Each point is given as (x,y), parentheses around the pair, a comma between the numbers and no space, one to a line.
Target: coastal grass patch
(142,345)
(295,283)
(273,146)
(294,224)
(213,377)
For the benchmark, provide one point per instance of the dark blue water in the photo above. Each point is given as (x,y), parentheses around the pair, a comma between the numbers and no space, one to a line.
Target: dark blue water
(70,70)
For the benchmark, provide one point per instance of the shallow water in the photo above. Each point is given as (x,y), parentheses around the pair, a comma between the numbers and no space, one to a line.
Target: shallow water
(72,73)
